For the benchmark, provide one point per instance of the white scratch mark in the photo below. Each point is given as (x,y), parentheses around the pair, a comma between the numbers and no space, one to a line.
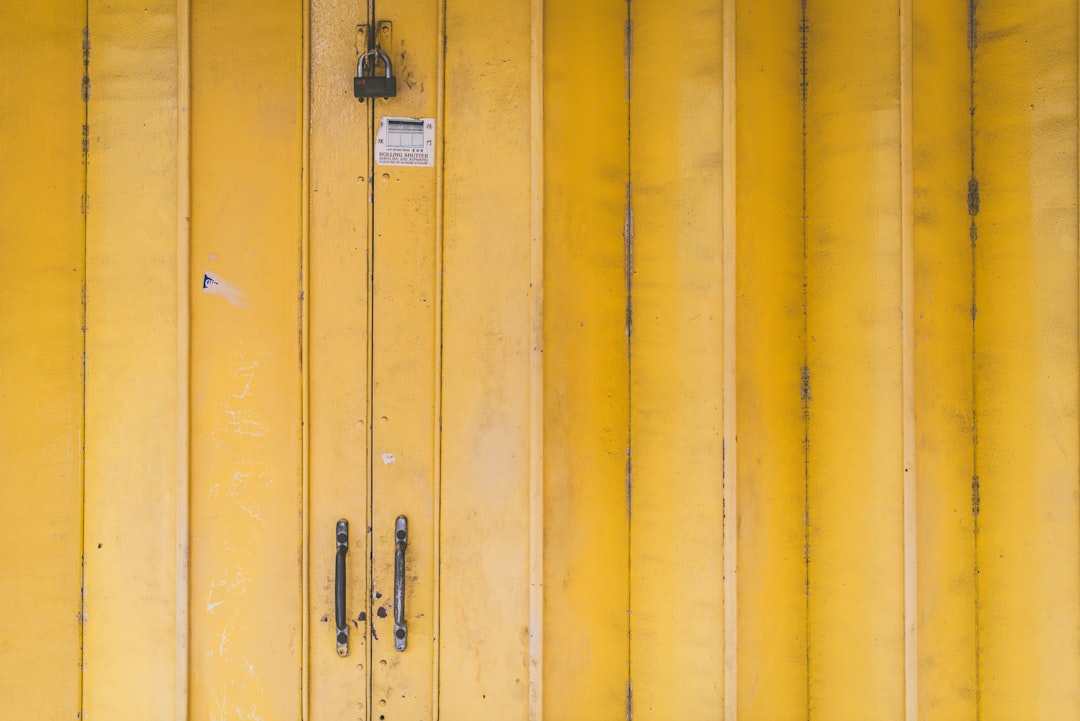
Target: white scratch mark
(388,458)
(241,583)
(244,423)
(219,590)
(214,284)
(245,375)
(220,703)
(252,715)
(253,514)
(239,482)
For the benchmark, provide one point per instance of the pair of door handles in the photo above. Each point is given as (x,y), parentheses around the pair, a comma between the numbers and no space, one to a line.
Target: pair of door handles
(401,540)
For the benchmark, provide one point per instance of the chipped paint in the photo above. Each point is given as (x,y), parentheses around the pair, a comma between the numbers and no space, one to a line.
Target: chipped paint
(213,284)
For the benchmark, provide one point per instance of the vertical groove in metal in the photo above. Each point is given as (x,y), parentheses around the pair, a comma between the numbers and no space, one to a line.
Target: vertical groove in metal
(972,196)
(305,363)
(730,444)
(440,305)
(369,418)
(628,274)
(907,320)
(804,33)
(82,324)
(183,352)
(536,366)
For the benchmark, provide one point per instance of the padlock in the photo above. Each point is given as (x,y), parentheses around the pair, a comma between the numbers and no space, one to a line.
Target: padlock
(370,85)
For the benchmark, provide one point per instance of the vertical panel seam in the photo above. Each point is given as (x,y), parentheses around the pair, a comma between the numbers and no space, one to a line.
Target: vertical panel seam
(536,366)
(183,394)
(973,210)
(305,360)
(85,208)
(628,272)
(369,410)
(730,437)
(907,323)
(183,353)
(440,305)
(804,33)
(368,28)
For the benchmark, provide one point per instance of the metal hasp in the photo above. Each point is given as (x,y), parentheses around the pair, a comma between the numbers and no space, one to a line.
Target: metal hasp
(342,536)
(367,84)
(401,540)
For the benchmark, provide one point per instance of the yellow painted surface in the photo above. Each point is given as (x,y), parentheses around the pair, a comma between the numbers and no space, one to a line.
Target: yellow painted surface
(246,383)
(855,572)
(1025,361)
(486,327)
(337,365)
(405,364)
(586,413)
(41,347)
(676,350)
(452,344)
(131,357)
(941,129)
(772,655)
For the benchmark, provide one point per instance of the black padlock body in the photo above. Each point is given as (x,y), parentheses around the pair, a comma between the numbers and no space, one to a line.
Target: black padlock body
(374,87)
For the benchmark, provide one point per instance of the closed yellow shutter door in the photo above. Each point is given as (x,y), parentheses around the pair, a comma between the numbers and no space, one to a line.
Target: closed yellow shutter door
(723,362)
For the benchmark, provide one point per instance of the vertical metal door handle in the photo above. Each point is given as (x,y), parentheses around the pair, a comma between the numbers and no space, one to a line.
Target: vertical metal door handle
(401,540)
(339,588)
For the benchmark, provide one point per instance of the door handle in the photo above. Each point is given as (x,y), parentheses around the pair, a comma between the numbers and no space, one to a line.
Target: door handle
(342,536)
(401,540)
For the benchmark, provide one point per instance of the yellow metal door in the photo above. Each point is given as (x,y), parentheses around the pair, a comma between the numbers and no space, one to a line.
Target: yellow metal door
(416,401)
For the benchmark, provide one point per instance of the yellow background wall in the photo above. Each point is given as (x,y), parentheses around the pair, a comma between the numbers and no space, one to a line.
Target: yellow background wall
(725,363)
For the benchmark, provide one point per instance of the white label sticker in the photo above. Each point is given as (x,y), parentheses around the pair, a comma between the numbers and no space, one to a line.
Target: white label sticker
(406,141)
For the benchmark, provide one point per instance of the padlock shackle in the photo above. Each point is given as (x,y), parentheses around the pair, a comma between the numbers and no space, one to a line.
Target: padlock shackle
(377,54)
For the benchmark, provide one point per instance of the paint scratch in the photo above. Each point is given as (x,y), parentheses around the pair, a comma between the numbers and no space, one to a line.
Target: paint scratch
(253,514)
(242,422)
(245,375)
(214,284)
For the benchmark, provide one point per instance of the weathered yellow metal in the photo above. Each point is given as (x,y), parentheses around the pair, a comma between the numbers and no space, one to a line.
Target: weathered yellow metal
(772,658)
(1025,471)
(406,360)
(852,380)
(941,130)
(487,322)
(337,364)
(676,363)
(835,242)
(42,115)
(245,373)
(132,396)
(586,362)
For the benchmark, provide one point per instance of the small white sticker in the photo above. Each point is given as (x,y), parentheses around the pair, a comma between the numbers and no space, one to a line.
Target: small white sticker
(405,142)
(388,458)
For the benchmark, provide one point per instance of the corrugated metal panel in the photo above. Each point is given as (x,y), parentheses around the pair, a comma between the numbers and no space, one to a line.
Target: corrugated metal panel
(725,363)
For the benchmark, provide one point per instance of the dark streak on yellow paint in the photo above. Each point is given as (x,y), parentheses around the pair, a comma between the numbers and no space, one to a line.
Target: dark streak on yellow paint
(973,202)
(804,39)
